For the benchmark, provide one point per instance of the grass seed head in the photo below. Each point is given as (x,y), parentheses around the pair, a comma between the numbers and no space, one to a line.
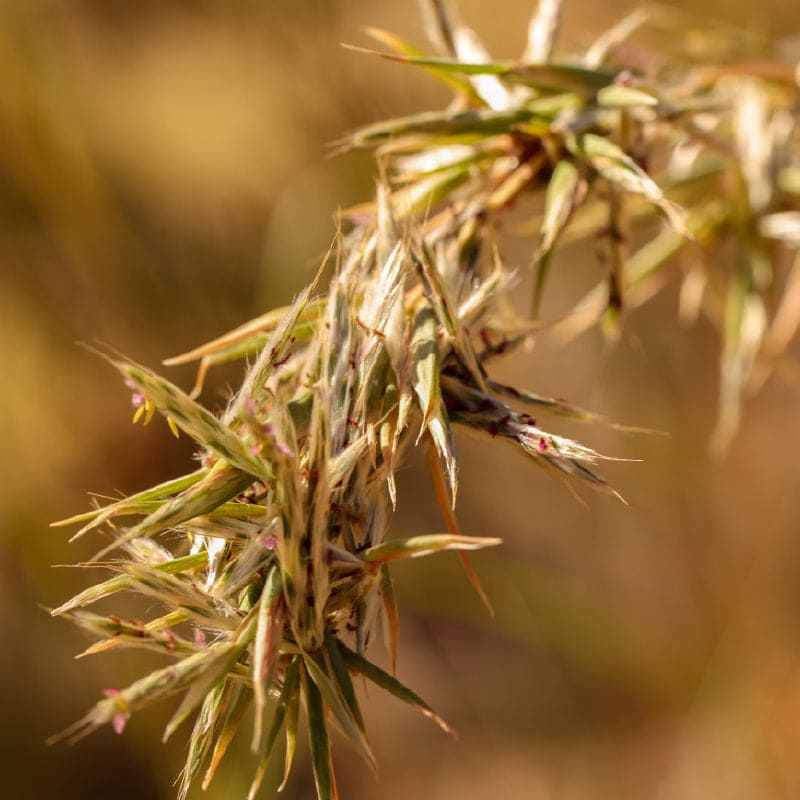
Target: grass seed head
(275,554)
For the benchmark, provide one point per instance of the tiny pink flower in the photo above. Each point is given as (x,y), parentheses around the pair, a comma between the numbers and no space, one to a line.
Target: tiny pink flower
(119,720)
(270,543)
(137,397)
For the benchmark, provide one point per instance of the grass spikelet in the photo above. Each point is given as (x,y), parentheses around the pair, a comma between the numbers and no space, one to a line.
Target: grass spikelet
(195,420)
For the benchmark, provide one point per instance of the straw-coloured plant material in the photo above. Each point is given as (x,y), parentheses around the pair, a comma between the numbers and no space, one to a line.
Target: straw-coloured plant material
(268,568)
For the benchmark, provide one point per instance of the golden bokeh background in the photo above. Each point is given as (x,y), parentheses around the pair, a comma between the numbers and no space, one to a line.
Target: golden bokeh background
(165,174)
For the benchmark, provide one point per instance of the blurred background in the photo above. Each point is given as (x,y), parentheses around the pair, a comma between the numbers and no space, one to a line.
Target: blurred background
(165,175)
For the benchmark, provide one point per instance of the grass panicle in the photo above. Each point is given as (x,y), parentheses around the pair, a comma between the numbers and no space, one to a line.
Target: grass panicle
(268,568)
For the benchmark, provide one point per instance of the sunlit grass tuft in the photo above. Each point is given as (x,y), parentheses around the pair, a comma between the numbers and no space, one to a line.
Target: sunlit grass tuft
(269,565)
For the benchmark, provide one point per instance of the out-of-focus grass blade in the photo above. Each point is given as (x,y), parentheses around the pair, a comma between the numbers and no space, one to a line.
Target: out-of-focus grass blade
(471,50)
(419,195)
(600,49)
(442,64)
(781,225)
(559,202)
(745,323)
(761,70)
(617,166)
(195,420)
(619,96)
(543,32)
(789,179)
(443,158)
(402,47)
(561,78)
(425,545)
(477,122)
(651,256)
(358,663)
(754,142)
(429,190)
(783,328)
(318,739)
(440,24)
(643,273)
(553,77)
(518,179)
